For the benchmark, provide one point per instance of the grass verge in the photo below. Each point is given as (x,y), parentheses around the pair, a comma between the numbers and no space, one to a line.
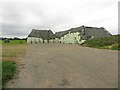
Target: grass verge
(8,70)
(111,43)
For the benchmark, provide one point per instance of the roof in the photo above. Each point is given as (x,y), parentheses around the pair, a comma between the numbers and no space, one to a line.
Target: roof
(62,33)
(72,30)
(78,29)
(44,34)
(48,34)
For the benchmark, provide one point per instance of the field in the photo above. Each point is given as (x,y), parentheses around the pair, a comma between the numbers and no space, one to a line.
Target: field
(11,51)
(11,54)
(111,43)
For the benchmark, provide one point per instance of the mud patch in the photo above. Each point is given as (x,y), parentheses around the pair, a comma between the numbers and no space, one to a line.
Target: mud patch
(64,82)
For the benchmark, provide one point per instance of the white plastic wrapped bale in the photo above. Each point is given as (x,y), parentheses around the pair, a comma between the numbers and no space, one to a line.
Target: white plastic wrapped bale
(51,40)
(40,40)
(37,40)
(45,41)
(61,40)
(72,38)
(76,37)
(29,40)
(56,40)
(33,39)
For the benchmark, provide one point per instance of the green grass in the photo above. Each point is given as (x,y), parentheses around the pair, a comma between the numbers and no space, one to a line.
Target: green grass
(8,70)
(1,41)
(104,43)
(15,42)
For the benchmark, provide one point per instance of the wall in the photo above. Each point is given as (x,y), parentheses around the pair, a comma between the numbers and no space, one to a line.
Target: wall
(29,40)
(72,38)
(34,40)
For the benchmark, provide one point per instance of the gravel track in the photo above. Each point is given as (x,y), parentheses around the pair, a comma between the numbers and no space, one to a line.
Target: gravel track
(66,66)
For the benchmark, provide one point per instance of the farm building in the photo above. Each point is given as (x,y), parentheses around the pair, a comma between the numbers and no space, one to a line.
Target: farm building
(73,35)
(81,34)
(40,36)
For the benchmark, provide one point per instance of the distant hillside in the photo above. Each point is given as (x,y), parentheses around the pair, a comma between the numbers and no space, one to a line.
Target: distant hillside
(104,43)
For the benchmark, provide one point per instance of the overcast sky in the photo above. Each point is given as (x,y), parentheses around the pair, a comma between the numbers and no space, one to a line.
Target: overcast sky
(18,18)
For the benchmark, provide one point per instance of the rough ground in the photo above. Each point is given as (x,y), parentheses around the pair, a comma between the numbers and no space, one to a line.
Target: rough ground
(66,66)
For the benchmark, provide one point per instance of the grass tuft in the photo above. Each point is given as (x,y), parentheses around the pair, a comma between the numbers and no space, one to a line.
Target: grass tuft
(8,70)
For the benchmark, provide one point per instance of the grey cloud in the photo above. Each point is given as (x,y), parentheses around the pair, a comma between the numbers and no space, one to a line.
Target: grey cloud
(119,17)
(19,17)
(9,29)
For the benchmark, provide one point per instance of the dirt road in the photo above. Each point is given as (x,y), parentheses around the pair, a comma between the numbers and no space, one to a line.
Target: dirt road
(66,66)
